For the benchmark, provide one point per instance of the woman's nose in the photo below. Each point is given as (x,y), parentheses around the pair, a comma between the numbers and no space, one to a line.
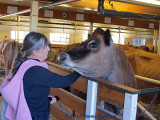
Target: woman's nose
(48,48)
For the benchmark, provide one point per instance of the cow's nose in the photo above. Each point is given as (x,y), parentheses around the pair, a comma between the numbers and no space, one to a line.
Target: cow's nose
(62,56)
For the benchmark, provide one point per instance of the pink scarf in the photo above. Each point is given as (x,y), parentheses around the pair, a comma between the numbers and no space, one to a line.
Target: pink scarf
(13,94)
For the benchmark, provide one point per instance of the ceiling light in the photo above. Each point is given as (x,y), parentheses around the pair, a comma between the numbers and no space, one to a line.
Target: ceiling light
(154,2)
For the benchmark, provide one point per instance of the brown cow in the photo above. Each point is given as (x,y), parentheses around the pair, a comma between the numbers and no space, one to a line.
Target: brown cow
(144,64)
(99,57)
(151,48)
(148,48)
(8,53)
(128,47)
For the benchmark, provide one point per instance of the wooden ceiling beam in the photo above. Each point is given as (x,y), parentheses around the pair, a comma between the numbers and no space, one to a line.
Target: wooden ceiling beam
(118,6)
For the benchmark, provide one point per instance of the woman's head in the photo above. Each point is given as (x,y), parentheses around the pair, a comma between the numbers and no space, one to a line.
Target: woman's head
(35,46)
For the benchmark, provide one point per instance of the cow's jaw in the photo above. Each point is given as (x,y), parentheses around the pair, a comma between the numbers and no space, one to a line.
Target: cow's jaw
(67,63)
(85,72)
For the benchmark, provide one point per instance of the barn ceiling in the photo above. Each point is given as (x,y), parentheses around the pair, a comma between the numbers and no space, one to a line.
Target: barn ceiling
(87,6)
(91,5)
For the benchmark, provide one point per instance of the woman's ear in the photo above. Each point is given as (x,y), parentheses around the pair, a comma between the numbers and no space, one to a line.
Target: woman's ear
(34,52)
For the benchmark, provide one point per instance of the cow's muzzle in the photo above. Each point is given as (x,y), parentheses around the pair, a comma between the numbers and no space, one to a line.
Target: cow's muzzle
(62,57)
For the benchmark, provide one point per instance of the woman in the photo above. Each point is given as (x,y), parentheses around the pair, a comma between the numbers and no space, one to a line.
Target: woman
(36,80)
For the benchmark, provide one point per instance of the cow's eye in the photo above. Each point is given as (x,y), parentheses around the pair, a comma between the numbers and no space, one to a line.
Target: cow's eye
(93,45)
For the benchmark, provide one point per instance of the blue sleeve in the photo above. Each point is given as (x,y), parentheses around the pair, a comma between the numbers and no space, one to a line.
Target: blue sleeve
(42,76)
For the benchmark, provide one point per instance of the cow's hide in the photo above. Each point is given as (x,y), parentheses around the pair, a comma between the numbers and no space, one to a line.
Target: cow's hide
(145,64)
(9,50)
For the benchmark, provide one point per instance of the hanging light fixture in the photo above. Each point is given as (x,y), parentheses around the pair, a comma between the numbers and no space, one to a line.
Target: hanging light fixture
(150,3)
(154,2)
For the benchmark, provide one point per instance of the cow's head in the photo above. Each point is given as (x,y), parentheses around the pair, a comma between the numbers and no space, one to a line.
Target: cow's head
(92,57)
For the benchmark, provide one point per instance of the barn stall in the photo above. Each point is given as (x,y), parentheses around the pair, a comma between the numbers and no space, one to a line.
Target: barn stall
(75,21)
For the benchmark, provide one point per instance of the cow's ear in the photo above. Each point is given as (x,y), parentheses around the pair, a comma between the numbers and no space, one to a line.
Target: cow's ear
(108,40)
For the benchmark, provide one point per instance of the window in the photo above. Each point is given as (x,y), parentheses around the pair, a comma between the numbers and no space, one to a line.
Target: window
(116,40)
(22,34)
(121,41)
(85,37)
(59,38)
(138,42)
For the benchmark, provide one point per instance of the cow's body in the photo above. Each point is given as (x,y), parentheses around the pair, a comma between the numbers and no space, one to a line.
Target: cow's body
(98,57)
(145,64)
(148,48)
(9,51)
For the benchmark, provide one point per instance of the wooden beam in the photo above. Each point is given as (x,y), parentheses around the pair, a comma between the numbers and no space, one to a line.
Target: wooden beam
(74,103)
(59,114)
(103,116)
(94,18)
(77,104)
(118,6)
(111,96)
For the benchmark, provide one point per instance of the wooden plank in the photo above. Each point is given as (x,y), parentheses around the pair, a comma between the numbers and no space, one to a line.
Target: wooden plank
(72,101)
(114,85)
(75,103)
(103,116)
(3,8)
(81,85)
(112,96)
(58,45)
(59,113)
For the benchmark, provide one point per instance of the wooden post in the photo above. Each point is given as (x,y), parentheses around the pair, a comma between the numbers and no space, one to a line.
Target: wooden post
(18,17)
(119,40)
(154,37)
(130,106)
(75,32)
(91,28)
(159,40)
(155,41)
(91,100)
(34,16)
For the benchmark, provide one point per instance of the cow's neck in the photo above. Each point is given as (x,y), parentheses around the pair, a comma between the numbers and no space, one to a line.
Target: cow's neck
(110,62)
(109,74)
(123,73)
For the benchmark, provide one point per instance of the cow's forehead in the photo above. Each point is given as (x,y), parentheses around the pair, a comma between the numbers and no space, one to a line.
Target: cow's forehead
(85,43)
(95,36)
(98,31)
(100,35)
